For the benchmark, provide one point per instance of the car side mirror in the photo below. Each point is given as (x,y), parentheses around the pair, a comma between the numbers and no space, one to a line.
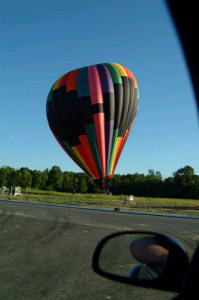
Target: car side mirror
(142,258)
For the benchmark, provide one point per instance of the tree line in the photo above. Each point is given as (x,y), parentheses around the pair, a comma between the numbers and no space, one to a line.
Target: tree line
(183,184)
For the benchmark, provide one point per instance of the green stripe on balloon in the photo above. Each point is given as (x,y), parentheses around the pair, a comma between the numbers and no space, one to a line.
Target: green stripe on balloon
(115,134)
(91,135)
(115,74)
(82,83)
(50,94)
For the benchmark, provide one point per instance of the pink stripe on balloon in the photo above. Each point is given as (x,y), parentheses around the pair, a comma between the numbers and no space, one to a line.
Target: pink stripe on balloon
(100,134)
(94,85)
(109,136)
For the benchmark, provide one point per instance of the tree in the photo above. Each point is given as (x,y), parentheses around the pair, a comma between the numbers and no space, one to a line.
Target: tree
(44,179)
(83,185)
(184,180)
(152,185)
(55,178)
(24,178)
(154,175)
(151,172)
(158,175)
(187,172)
(91,186)
(169,188)
(6,173)
(183,184)
(67,185)
(36,179)
(116,184)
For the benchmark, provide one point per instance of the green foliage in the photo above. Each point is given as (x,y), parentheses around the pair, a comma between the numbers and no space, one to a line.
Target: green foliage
(183,184)
(55,178)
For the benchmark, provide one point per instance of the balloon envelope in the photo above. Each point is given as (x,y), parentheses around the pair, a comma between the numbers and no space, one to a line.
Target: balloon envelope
(91,111)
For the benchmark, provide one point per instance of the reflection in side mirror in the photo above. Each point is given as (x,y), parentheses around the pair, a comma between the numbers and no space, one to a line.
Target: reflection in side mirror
(151,253)
(142,258)
(134,255)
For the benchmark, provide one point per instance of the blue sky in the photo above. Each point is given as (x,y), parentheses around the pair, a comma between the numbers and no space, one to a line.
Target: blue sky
(41,40)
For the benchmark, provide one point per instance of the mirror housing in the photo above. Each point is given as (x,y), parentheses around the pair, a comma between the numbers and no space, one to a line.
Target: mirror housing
(170,278)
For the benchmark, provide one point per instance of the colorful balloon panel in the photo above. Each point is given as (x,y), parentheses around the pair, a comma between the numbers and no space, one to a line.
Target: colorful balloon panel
(91,112)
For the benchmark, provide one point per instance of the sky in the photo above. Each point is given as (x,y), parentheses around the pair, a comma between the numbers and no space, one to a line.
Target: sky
(42,40)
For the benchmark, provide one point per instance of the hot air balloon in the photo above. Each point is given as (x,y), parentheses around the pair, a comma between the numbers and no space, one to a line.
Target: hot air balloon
(91,112)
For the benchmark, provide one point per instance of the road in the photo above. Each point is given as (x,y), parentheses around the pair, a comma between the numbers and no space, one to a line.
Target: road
(46,251)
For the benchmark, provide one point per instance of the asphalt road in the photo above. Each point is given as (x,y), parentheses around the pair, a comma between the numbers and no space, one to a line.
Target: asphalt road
(46,252)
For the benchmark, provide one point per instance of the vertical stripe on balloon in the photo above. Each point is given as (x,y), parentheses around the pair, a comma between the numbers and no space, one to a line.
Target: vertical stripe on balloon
(117,154)
(109,139)
(86,112)
(73,156)
(90,132)
(64,79)
(100,134)
(118,97)
(121,70)
(96,98)
(109,108)
(86,159)
(114,139)
(94,85)
(89,154)
(50,96)
(78,154)
(118,141)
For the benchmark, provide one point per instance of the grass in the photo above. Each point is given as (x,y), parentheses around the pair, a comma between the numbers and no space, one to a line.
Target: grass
(181,206)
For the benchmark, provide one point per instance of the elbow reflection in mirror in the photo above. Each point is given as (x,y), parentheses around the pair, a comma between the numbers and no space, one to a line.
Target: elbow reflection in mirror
(151,255)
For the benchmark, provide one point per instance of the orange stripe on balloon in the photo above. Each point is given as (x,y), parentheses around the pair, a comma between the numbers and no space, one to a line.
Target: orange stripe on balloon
(85,158)
(130,75)
(122,143)
(78,154)
(99,122)
(72,81)
(85,144)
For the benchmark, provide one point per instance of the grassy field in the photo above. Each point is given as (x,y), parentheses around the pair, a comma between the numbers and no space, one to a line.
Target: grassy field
(181,206)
